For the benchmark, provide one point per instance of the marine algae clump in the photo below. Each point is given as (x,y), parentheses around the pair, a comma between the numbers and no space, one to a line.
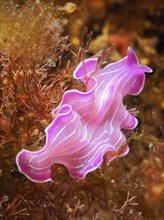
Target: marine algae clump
(32,31)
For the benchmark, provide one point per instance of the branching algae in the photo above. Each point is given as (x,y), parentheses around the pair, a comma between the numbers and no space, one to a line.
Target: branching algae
(87,125)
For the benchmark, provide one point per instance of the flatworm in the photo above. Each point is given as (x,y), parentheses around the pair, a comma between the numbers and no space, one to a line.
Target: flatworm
(86,125)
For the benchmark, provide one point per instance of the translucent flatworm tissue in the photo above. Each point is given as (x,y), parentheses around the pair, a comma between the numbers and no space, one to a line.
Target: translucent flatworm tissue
(87,125)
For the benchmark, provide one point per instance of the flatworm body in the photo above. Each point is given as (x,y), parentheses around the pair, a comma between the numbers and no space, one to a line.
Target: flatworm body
(88,124)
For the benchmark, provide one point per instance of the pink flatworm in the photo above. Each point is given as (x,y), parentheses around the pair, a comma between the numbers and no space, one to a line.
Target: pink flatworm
(88,124)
